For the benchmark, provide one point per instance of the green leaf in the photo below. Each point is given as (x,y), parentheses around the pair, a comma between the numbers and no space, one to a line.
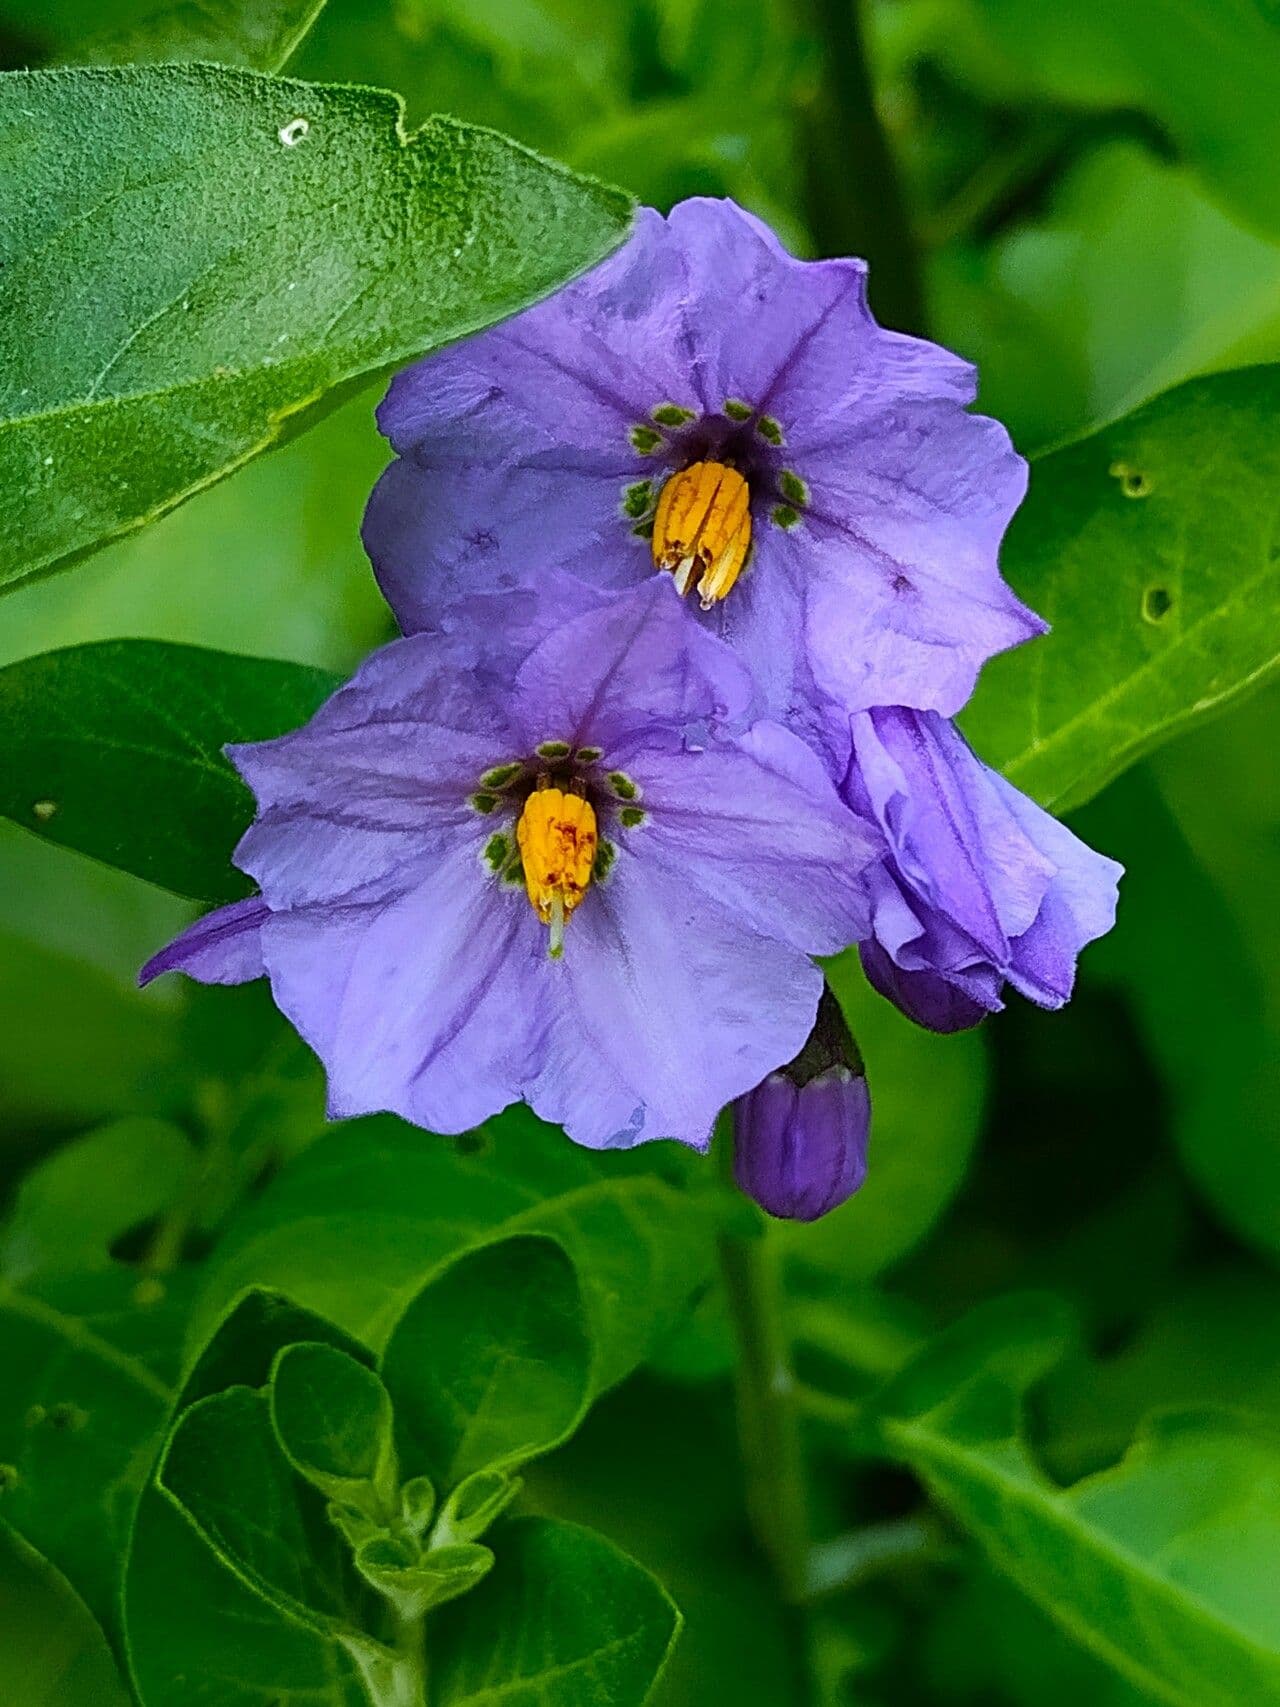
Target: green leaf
(289,522)
(224,1468)
(491,1363)
(1158,1566)
(257,34)
(116,749)
(52,1654)
(332,1418)
(1178,951)
(1206,69)
(1151,548)
(296,241)
(357,1223)
(82,1409)
(564,1618)
(71,1206)
(186,1612)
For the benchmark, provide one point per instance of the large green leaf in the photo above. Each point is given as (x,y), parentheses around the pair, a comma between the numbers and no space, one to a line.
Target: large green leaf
(1152,549)
(224,1468)
(290,522)
(491,1362)
(258,34)
(1160,1566)
(52,1654)
(564,1619)
(116,749)
(295,241)
(359,1221)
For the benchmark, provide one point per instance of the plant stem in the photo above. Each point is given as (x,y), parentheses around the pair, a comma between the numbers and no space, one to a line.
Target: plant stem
(852,1559)
(393,1676)
(768,1423)
(856,202)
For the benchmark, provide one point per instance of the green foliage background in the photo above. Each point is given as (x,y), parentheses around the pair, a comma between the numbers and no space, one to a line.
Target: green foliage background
(1006,1345)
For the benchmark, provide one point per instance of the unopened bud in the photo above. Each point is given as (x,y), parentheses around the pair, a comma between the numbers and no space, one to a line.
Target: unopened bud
(800,1137)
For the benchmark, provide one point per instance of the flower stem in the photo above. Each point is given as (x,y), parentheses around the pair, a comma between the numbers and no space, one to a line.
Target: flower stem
(856,200)
(768,1423)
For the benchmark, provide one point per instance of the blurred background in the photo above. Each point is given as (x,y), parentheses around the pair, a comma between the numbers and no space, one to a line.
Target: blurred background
(1059,200)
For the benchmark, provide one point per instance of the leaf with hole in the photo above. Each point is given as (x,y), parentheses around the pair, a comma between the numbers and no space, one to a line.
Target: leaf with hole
(1152,549)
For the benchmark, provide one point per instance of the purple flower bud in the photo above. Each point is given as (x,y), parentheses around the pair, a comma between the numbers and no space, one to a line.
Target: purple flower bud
(800,1137)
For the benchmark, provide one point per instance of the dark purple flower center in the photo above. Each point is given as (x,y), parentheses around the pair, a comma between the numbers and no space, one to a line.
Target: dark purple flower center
(708,462)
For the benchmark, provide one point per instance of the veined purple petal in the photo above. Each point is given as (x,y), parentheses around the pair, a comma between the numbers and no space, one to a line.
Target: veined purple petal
(667,1004)
(977,885)
(399,938)
(538,450)
(223,947)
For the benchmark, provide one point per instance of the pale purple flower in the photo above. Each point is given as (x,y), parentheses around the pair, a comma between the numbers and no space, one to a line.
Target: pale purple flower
(800,1137)
(744,402)
(977,887)
(684,861)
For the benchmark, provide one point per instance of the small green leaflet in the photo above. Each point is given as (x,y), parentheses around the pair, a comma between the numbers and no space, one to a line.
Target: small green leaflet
(193,257)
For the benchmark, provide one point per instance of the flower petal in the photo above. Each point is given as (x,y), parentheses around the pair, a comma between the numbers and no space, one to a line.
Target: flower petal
(978,885)
(378,781)
(665,1007)
(576,370)
(629,667)
(224,947)
(760,830)
(435,536)
(416,1005)
(794,338)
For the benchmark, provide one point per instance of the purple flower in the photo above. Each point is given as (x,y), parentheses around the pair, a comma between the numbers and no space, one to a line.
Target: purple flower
(557,866)
(977,887)
(706,405)
(800,1137)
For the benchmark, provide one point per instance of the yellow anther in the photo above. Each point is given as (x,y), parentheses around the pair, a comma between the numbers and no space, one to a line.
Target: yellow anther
(557,837)
(702,528)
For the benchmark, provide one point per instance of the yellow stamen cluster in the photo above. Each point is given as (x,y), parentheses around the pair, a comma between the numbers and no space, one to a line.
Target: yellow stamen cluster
(702,528)
(557,837)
